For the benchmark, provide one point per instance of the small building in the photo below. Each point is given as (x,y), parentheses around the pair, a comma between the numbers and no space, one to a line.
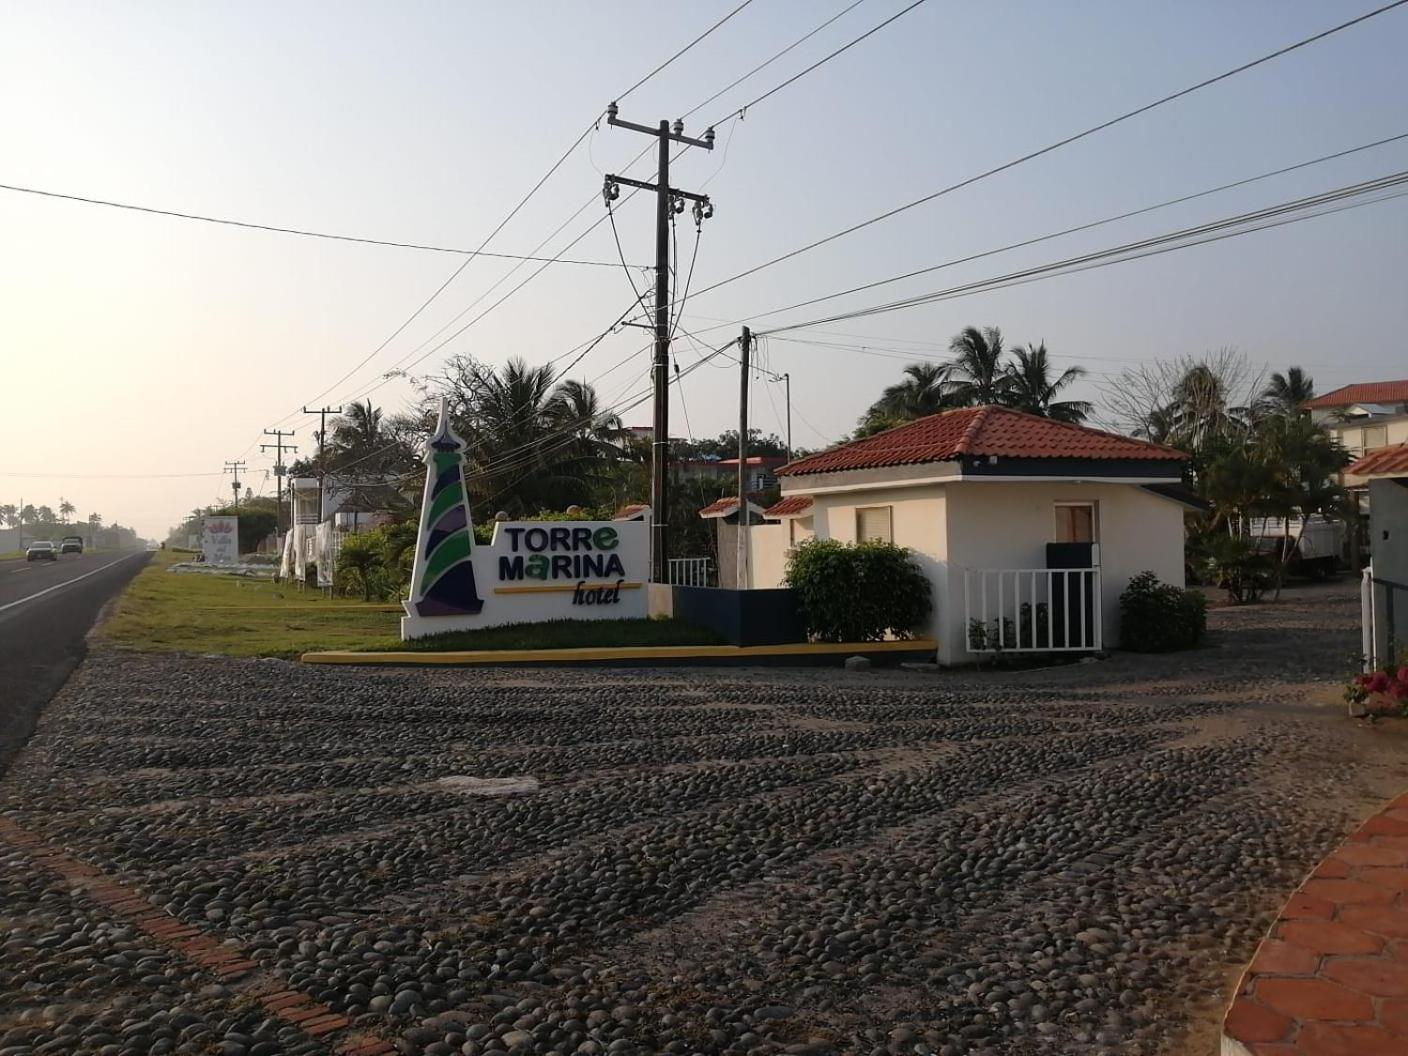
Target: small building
(1028,529)
(1384,472)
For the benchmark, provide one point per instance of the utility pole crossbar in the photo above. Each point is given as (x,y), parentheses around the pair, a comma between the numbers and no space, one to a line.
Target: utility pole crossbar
(235,467)
(322,413)
(668,201)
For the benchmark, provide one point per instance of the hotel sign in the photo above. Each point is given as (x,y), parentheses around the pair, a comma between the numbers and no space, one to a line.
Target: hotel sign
(531,571)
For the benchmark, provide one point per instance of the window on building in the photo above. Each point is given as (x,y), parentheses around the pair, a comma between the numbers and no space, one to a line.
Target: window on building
(874,522)
(1375,436)
(1076,523)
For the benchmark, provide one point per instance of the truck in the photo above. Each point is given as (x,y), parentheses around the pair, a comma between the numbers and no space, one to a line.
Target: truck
(1311,548)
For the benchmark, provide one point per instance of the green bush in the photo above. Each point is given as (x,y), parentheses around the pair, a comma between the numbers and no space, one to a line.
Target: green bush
(1158,618)
(1239,568)
(858,592)
(377,563)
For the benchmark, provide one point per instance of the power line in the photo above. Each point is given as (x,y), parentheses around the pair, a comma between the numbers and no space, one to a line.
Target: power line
(1183,238)
(1049,148)
(250,225)
(684,49)
(743,110)
(768,62)
(1090,225)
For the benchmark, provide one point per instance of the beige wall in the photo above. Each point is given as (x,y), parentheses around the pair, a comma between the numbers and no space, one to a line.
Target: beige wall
(1007,525)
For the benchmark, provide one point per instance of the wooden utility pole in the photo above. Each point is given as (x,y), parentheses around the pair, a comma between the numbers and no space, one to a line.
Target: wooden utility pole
(745,345)
(235,467)
(667,200)
(322,413)
(279,448)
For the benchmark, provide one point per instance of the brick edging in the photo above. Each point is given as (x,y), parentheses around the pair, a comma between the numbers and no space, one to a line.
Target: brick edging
(227,964)
(1331,975)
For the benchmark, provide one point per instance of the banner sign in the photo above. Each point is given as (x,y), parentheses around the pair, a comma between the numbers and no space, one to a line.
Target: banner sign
(220,540)
(530,572)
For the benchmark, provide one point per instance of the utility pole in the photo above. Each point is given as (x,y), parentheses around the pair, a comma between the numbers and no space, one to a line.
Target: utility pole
(745,345)
(668,200)
(235,467)
(322,413)
(787,389)
(279,448)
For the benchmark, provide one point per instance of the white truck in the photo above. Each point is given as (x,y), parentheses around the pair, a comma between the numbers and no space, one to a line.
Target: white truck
(1314,547)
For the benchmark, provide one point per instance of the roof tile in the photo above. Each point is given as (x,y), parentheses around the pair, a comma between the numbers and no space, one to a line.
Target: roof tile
(791,506)
(1383,462)
(1364,392)
(998,431)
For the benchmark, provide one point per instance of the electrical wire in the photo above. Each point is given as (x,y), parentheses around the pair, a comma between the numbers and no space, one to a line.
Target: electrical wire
(1049,236)
(768,62)
(684,49)
(1051,147)
(249,225)
(1243,223)
(743,110)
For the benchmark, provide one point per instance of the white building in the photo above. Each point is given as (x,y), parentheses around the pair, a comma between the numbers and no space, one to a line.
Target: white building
(978,495)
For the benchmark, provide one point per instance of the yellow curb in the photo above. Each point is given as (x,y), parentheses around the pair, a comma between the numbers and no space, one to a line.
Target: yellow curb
(662,652)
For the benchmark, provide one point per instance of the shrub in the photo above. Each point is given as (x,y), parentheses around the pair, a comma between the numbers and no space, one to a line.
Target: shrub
(858,592)
(1158,618)
(377,563)
(1239,568)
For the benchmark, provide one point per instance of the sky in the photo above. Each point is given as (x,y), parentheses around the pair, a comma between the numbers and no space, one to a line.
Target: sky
(140,353)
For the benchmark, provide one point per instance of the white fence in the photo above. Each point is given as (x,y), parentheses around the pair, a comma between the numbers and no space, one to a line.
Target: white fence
(1032,610)
(690,571)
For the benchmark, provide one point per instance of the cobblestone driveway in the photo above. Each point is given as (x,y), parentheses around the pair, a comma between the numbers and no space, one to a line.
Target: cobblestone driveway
(253,857)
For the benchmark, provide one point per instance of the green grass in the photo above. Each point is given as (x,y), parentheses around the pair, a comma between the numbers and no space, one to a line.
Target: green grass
(171,612)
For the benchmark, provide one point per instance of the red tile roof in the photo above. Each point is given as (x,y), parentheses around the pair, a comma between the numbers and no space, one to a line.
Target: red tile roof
(1366,392)
(720,507)
(980,431)
(629,513)
(792,506)
(1385,462)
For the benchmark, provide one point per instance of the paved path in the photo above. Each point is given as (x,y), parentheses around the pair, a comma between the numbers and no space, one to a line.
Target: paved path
(1071,861)
(46,609)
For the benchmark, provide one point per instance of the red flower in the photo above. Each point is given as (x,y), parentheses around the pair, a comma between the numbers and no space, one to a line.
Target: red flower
(1379,682)
(1403,673)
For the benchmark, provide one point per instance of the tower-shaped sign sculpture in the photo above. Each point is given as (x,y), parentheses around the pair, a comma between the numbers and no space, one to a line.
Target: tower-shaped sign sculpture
(442,582)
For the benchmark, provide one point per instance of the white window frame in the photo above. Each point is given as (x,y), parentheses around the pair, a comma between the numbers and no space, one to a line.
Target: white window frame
(889,522)
(1092,504)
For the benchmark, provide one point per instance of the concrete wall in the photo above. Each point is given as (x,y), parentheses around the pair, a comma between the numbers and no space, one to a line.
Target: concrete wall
(1388,534)
(1007,525)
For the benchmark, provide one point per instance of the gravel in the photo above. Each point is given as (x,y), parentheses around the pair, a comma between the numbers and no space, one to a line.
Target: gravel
(1057,861)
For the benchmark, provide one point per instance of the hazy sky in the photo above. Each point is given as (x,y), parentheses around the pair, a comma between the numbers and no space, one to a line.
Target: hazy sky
(142,345)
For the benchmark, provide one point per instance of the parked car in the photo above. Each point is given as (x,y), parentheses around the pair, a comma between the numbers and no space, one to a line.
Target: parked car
(41,550)
(71,544)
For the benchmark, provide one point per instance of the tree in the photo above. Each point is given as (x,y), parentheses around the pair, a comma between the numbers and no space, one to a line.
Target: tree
(1032,389)
(45,515)
(358,432)
(533,444)
(1287,394)
(9,515)
(980,376)
(29,515)
(66,509)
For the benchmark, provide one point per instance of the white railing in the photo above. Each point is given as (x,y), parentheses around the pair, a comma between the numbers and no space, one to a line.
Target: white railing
(690,571)
(1369,636)
(1032,610)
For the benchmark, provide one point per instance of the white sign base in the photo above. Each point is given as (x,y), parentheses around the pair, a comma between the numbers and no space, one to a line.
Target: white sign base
(536,571)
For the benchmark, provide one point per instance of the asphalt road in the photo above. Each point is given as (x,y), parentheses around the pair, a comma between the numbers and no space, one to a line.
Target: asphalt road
(46,610)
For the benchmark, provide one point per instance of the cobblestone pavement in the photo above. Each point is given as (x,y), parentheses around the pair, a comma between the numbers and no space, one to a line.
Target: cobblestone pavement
(205,855)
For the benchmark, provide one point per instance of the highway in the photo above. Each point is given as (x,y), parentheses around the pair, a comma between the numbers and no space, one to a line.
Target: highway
(46,611)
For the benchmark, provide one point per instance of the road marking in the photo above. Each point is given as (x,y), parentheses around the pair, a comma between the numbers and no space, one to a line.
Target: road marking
(67,582)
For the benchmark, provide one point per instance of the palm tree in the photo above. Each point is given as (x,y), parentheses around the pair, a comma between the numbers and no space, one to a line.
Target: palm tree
(1287,393)
(95,521)
(358,433)
(66,509)
(1032,389)
(575,407)
(981,377)
(924,391)
(9,514)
